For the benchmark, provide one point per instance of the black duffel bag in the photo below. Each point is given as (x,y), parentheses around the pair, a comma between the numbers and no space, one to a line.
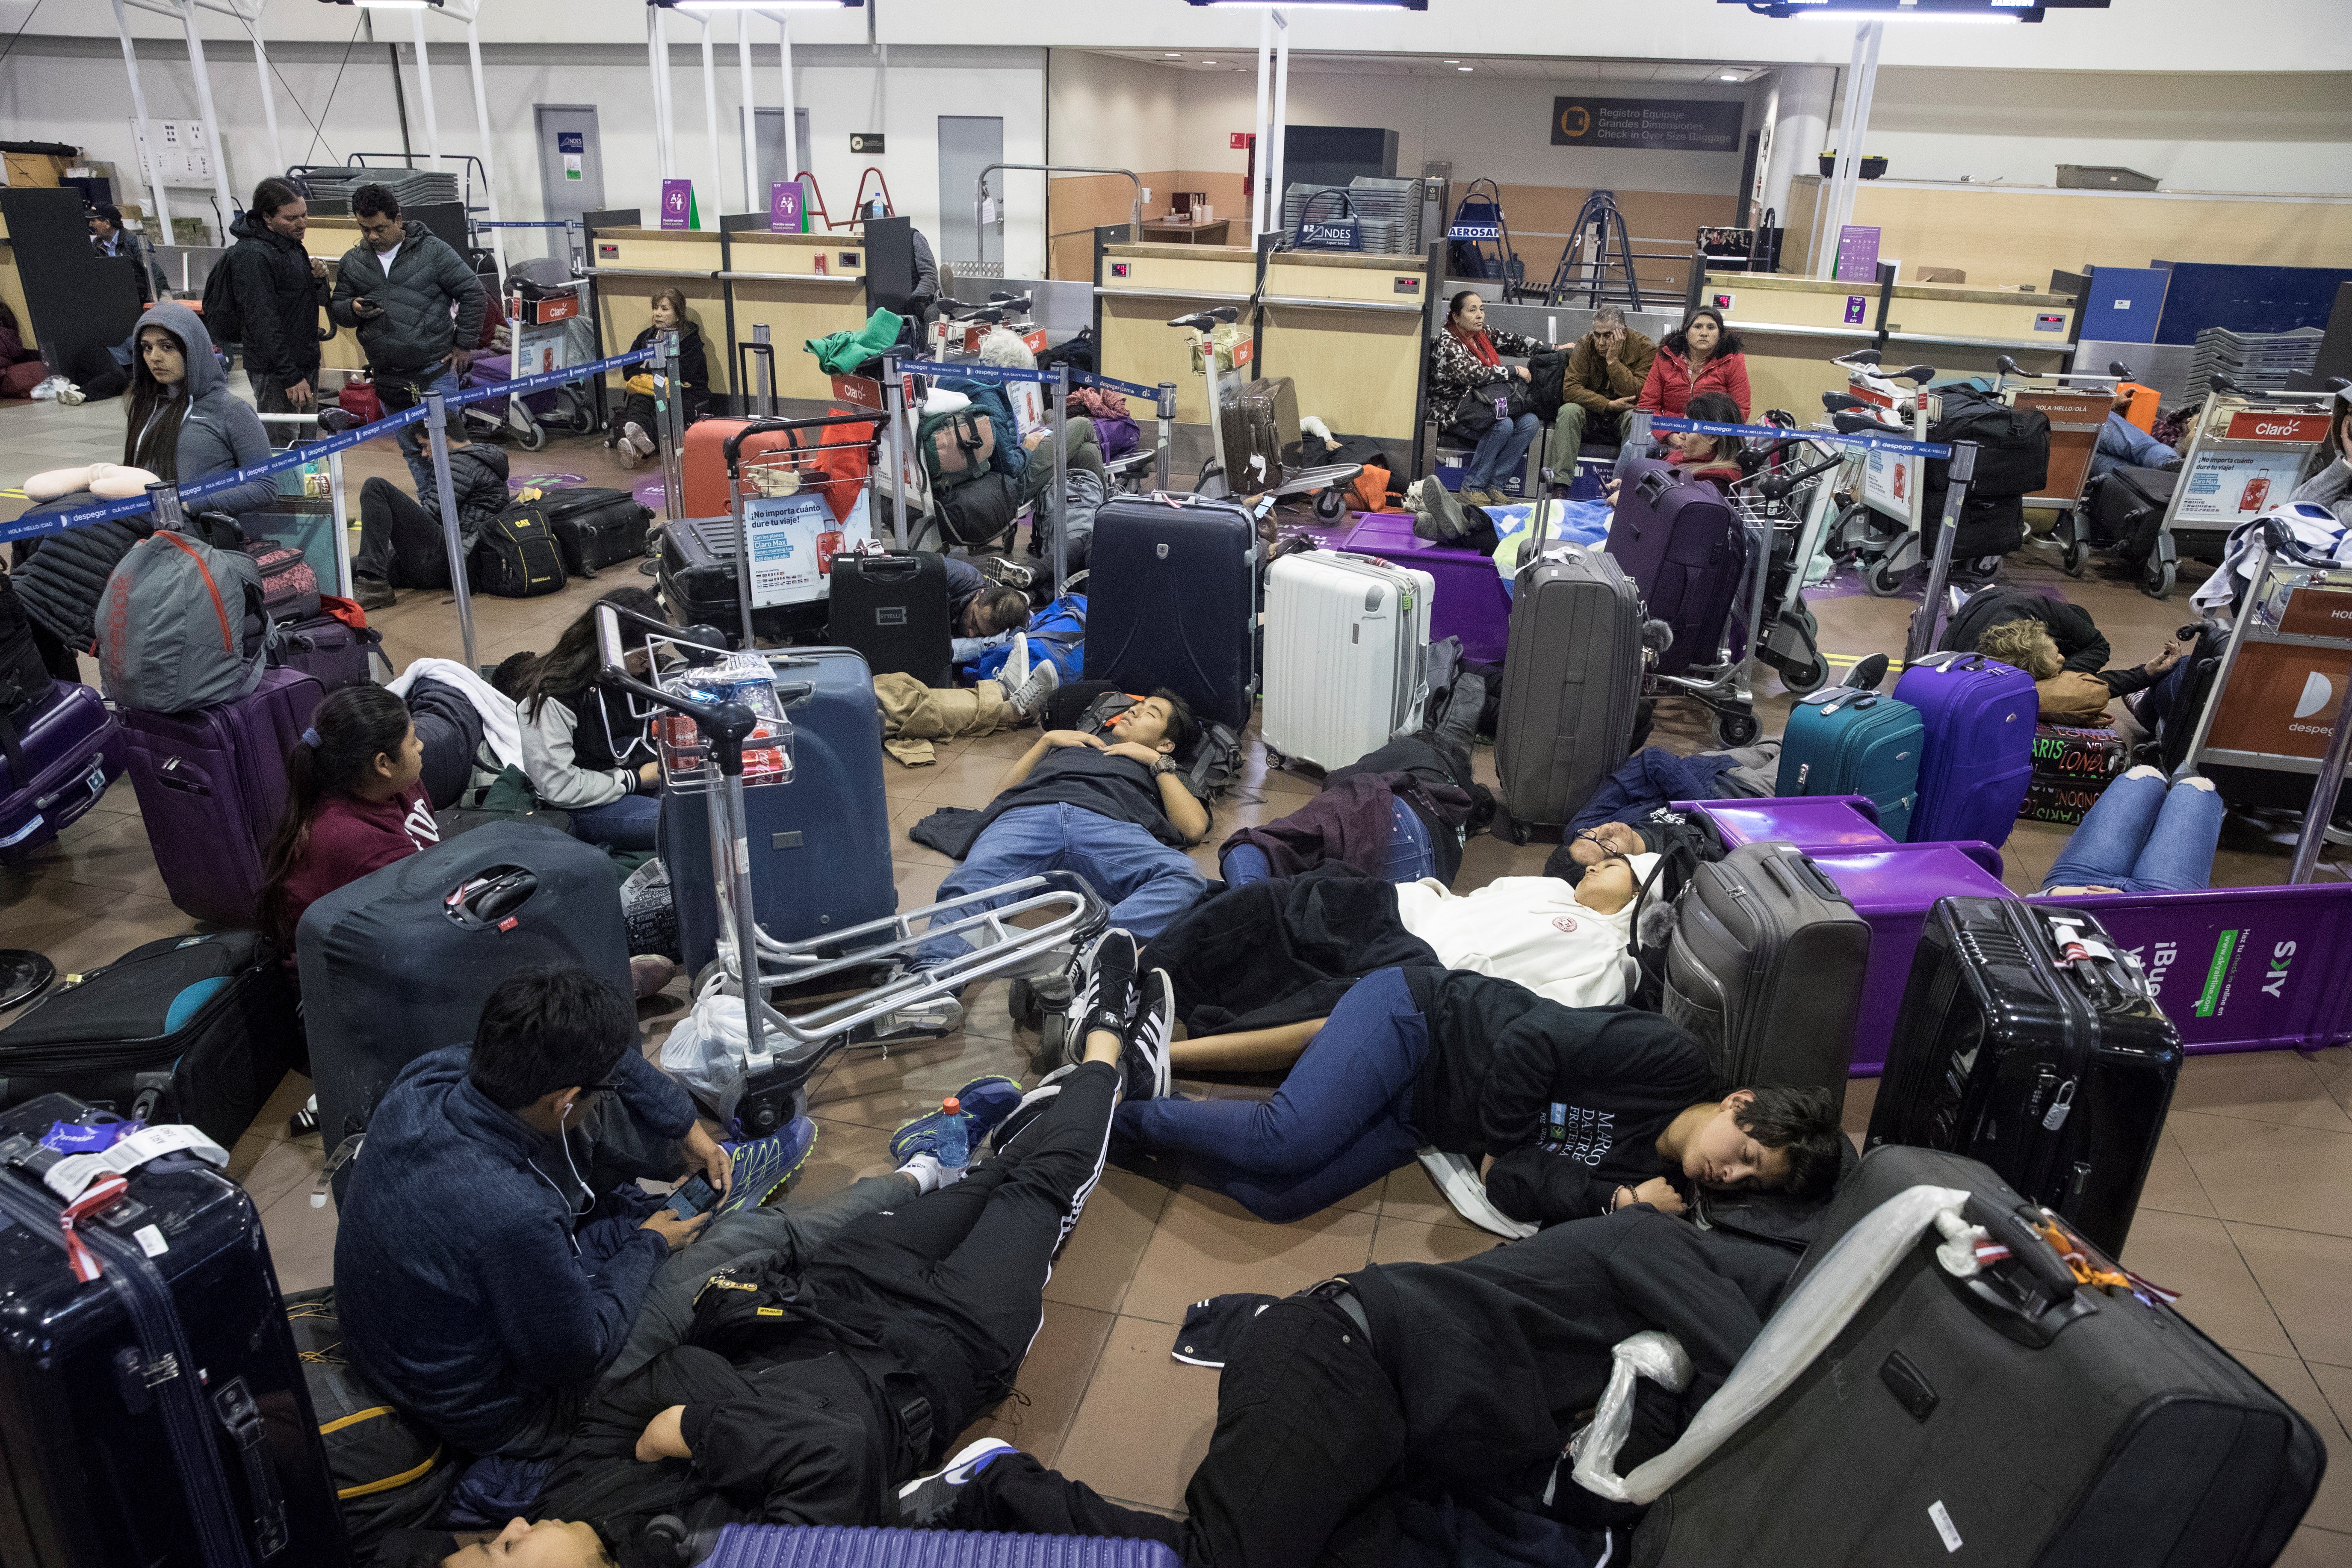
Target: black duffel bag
(2012,444)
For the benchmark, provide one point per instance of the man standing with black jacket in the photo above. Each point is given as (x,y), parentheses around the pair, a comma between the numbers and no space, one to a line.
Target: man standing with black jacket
(279,287)
(417,305)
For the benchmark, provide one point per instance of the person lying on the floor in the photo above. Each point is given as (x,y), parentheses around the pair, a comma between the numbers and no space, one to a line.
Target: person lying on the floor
(1464,1378)
(2044,637)
(819,1376)
(2143,836)
(496,1255)
(914,715)
(1583,1110)
(1610,823)
(983,612)
(1115,812)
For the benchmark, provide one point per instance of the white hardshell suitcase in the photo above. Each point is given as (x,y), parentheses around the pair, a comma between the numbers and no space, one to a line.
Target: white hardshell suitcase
(1347,650)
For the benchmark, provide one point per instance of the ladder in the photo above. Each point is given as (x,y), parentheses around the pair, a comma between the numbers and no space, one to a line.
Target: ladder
(1597,265)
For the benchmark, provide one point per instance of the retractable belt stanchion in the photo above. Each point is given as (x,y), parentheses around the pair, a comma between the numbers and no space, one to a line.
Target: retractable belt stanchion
(670,429)
(1054,512)
(894,415)
(1928,617)
(436,441)
(1165,453)
(164,496)
(763,345)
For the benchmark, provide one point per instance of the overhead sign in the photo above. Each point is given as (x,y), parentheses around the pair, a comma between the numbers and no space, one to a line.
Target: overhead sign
(1678,125)
(866,142)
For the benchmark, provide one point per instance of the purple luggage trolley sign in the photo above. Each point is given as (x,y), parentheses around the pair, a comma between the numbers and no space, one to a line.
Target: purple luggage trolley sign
(1467,598)
(2240,969)
(1893,886)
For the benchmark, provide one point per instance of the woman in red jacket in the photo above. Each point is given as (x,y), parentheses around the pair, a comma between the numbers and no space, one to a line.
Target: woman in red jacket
(1705,356)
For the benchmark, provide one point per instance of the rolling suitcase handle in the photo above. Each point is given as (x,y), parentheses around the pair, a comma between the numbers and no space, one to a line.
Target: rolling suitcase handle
(733,448)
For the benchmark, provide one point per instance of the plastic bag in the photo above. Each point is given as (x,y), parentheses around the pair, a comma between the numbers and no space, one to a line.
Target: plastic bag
(50,387)
(707,1051)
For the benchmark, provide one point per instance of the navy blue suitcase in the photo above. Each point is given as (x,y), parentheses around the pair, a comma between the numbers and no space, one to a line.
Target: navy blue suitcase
(1171,591)
(156,1414)
(819,845)
(846,1546)
(1677,537)
(1976,756)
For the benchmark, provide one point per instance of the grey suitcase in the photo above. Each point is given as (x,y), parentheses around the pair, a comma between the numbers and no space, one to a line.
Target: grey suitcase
(1572,684)
(1766,966)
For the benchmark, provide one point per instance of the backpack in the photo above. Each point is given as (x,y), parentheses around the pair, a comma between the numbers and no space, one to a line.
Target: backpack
(980,510)
(224,323)
(518,556)
(389,1472)
(957,447)
(2013,445)
(181,626)
(1057,635)
(24,679)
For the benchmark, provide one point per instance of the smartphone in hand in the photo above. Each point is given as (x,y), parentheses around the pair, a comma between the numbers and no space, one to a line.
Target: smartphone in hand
(693,1197)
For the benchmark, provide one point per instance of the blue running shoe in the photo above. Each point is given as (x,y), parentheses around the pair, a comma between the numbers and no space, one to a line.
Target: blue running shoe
(927,1502)
(987,1101)
(764,1164)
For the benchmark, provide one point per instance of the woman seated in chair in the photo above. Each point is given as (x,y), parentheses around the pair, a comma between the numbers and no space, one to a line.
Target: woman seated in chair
(1467,357)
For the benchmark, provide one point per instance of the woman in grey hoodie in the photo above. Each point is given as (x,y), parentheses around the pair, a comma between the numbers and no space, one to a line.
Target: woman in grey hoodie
(184,425)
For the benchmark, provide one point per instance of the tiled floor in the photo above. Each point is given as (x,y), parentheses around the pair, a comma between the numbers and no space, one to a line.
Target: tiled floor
(2248,1211)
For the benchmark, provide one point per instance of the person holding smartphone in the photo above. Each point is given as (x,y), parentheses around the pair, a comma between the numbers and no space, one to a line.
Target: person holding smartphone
(414,304)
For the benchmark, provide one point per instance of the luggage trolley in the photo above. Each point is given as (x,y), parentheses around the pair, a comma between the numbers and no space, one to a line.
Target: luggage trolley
(2077,406)
(1878,533)
(724,726)
(538,315)
(2244,450)
(787,517)
(1226,365)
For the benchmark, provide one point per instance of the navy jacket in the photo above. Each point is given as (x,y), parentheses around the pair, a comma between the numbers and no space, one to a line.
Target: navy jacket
(471,1290)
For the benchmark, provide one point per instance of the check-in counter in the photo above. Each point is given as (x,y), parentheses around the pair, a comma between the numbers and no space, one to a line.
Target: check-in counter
(630,264)
(1346,329)
(800,286)
(1141,287)
(1793,327)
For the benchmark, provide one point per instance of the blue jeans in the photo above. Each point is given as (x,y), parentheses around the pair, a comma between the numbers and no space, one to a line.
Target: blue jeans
(398,392)
(629,823)
(2144,836)
(1409,859)
(1339,1122)
(1145,883)
(1501,450)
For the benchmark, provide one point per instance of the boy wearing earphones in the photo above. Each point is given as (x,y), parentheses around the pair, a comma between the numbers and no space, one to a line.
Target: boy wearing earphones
(497,1259)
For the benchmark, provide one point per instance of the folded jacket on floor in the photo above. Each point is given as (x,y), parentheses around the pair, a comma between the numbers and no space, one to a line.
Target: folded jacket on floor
(1282,951)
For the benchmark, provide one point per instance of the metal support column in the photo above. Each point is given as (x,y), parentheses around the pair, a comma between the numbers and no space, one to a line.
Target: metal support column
(482,130)
(793,150)
(665,126)
(1164,453)
(1258,224)
(436,440)
(748,118)
(211,117)
(149,168)
(710,127)
(1270,161)
(1055,509)
(425,94)
(268,93)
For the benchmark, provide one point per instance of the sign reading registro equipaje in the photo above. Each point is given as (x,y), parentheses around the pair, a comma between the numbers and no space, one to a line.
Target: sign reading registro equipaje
(1681,125)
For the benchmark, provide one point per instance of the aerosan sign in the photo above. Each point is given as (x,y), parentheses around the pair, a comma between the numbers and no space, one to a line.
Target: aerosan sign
(2298,428)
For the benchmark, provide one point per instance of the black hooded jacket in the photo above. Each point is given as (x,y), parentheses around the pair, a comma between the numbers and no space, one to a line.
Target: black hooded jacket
(278,304)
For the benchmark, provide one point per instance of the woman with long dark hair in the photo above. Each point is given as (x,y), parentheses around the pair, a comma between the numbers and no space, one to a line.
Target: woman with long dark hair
(354,801)
(1704,355)
(633,427)
(584,753)
(1467,357)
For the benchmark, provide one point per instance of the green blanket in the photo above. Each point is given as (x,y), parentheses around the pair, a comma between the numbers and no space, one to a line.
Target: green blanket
(841,354)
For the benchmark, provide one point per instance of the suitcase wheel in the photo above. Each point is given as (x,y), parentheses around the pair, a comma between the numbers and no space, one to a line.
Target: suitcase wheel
(2156,575)
(1331,505)
(1736,730)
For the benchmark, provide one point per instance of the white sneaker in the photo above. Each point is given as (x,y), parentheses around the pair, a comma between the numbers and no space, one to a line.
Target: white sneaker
(1028,699)
(635,435)
(1016,673)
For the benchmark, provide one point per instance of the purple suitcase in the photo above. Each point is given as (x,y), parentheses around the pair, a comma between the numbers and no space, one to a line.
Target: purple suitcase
(1677,539)
(1468,597)
(73,748)
(489,368)
(1893,886)
(211,785)
(1977,756)
(1807,821)
(2240,969)
(323,648)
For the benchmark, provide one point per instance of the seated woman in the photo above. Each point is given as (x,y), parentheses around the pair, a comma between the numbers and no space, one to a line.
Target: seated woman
(585,755)
(1584,1110)
(1701,456)
(1464,358)
(632,438)
(1704,355)
(2143,836)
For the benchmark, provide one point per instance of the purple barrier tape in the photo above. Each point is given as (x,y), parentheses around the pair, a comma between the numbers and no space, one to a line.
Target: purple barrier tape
(1776,433)
(34,525)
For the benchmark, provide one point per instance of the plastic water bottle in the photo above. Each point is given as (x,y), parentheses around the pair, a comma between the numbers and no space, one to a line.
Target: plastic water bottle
(955,1143)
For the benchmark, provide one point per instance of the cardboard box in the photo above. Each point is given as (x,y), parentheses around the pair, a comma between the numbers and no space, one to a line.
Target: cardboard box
(35,168)
(1942,274)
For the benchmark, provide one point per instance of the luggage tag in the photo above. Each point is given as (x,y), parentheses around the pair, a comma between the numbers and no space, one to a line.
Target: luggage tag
(87,1138)
(71,1175)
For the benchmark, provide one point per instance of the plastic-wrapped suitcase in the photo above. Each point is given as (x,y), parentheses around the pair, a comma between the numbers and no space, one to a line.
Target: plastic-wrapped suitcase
(1467,596)
(596,528)
(71,749)
(846,1546)
(1346,655)
(2027,1041)
(155,1412)
(198,1029)
(1173,601)
(697,582)
(1766,967)
(1571,685)
(1843,740)
(1975,750)
(211,785)
(400,962)
(1813,823)
(1677,539)
(2022,1415)
(893,609)
(820,844)
(1893,886)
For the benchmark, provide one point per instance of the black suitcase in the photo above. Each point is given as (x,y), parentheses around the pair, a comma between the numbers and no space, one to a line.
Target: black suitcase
(154,1414)
(1173,601)
(596,528)
(199,1029)
(2056,1074)
(697,583)
(517,556)
(893,609)
(2016,1418)
(1766,967)
(2128,507)
(399,963)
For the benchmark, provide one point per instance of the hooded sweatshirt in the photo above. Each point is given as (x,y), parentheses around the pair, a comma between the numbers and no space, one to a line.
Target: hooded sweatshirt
(218,433)
(278,302)
(478,1277)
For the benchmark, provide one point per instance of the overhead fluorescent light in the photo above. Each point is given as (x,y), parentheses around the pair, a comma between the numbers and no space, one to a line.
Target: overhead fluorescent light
(751,5)
(1915,10)
(1908,15)
(1466,67)
(389,5)
(1316,5)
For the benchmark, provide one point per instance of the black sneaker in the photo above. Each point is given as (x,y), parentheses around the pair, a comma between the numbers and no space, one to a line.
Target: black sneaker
(929,1502)
(1111,995)
(1143,1055)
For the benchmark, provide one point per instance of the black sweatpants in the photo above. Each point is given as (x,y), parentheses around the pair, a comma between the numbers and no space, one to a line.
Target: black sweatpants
(1308,1428)
(977,1254)
(399,542)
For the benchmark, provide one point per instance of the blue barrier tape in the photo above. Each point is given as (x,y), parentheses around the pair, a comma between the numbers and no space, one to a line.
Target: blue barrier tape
(34,525)
(519,223)
(1087,378)
(1776,432)
(975,372)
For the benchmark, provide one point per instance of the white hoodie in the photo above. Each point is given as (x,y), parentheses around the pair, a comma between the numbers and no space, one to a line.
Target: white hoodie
(1529,930)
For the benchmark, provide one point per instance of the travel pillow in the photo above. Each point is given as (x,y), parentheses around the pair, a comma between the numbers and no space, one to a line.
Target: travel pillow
(107,481)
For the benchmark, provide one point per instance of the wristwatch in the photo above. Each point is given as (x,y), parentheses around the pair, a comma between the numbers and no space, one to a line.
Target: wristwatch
(1164,766)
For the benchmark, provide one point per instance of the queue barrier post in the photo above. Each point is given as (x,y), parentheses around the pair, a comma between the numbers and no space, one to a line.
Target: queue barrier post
(436,441)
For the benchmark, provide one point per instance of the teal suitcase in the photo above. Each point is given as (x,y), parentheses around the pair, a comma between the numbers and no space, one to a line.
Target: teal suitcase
(1844,741)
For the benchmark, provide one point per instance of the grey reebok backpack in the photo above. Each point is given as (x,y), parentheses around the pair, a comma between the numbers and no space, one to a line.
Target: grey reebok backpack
(181,626)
